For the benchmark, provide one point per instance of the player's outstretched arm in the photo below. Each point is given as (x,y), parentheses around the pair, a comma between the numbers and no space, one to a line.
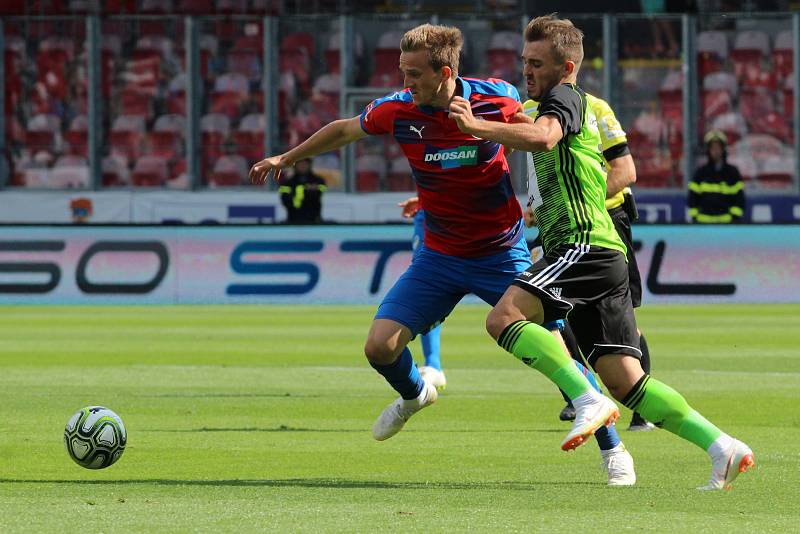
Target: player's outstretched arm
(621,174)
(330,137)
(520,134)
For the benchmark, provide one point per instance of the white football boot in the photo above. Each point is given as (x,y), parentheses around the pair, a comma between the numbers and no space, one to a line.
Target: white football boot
(394,416)
(618,462)
(591,410)
(433,376)
(735,458)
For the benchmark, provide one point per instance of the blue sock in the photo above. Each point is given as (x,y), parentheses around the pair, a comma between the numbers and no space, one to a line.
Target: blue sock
(607,437)
(402,375)
(430,347)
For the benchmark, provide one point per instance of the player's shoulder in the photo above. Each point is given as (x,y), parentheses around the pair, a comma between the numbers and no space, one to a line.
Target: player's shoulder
(599,106)
(397,98)
(492,87)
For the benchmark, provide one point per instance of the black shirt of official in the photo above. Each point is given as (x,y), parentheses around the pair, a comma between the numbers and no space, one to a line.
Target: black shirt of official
(301,195)
(716,194)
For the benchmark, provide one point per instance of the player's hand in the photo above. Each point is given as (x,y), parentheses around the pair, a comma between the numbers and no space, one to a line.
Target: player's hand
(529,217)
(259,173)
(410,207)
(461,112)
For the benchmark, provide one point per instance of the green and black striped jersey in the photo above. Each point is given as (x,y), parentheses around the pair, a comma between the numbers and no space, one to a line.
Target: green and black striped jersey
(567,185)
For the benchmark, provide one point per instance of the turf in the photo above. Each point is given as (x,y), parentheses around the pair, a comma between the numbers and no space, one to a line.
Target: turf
(258,418)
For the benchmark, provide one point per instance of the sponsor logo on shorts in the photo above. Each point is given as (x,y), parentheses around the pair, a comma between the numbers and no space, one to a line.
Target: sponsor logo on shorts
(555,291)
(450,158)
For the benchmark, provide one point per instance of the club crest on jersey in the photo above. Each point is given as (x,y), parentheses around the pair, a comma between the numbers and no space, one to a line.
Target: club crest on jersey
(450,158)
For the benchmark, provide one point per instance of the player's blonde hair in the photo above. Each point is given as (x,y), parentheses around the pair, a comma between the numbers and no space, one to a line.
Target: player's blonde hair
(565,38)
(443,44)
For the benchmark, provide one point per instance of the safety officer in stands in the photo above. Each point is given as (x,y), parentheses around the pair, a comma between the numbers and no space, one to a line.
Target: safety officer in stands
(301,195)
(716,192)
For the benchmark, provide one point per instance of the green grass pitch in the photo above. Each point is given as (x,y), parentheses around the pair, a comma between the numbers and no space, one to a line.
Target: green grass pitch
(258,419)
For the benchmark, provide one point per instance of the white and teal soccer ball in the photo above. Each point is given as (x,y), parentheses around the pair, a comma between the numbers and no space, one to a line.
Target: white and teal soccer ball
(95,437)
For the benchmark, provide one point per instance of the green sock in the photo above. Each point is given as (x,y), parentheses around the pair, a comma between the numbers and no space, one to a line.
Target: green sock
(537,348)
(665,407)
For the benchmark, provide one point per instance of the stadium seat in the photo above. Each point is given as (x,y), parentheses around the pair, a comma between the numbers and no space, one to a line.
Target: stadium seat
(299,40)
(70,161)
(502,56)
(758,148)
(115,171)
(246,62)
(750,48)
(332,55)
(783,55)
(42,132)
(214,129)
(249,137)
(755,104)
(400,177)
(126,136)
(712,51)
(641,146)
(386,55)
(175,99)
(747,168)
(136,102)
(166,138)
(325,96)
(77,142)
(69,177)
(721,81)
(733,124)
(230,91)
(51,67)
(369,170)
(150,171)
(714,103)
(229,171)
(777,172)
(302,126)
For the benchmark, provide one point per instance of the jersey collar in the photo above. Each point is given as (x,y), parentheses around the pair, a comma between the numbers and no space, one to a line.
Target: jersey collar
(466,92)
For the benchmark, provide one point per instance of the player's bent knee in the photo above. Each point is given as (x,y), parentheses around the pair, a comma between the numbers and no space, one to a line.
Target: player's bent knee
(619,373)
(379,351)
(496,322)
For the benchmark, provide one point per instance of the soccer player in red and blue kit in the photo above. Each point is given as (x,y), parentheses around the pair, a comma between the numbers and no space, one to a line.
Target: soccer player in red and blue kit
(473,223)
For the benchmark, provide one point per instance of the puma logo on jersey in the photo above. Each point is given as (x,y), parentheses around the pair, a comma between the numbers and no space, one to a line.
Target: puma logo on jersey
(555,291)
(417,131)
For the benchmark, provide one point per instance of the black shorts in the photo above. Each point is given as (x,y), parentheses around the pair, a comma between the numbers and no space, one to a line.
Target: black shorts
(622,223)
(591,285)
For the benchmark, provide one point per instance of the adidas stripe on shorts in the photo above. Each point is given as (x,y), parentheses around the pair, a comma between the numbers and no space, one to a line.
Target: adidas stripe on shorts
(591,285)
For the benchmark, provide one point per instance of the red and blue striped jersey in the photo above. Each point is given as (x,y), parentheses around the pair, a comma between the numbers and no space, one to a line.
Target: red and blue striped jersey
(463,182)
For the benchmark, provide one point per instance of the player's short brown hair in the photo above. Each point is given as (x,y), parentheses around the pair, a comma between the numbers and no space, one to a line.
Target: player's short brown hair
(566,39)
(443,44)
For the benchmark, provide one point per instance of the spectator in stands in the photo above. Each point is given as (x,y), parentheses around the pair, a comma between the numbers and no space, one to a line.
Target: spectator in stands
(302,194)
(716,192)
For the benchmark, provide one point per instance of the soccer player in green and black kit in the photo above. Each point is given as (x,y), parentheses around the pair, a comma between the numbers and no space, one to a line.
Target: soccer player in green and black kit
(583,273)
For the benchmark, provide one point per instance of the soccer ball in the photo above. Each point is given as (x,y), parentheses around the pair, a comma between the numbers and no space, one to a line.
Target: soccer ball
(95,437)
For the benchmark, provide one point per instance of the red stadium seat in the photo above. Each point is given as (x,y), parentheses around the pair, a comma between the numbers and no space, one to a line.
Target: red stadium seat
(399,177)
(299,40)
(229,171)
(777,172)
(137,103)
(369,169)
(149,171)
(715,103)
(77,142)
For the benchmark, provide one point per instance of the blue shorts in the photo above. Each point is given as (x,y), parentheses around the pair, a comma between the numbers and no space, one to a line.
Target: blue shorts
(434,283)
(419,232)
